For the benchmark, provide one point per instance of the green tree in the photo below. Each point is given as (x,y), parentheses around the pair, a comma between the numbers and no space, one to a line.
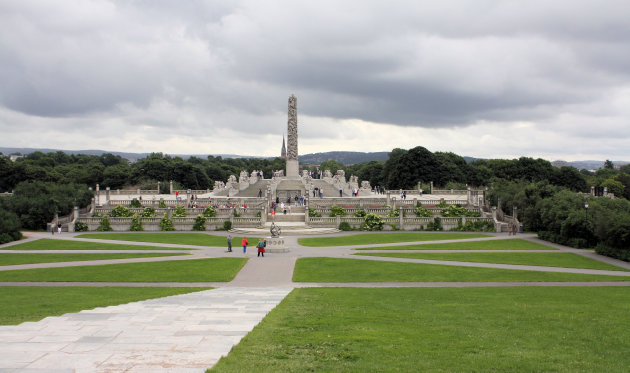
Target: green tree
(337,211)
(209,212)
(120,211)
(136,223)
(9,227)
(117,176)
(200,223)
(104,226)
(569,177)
(180,212)
(332,166)
(372,222)
(609,164)
(166,224)
(148,212)
(613,186)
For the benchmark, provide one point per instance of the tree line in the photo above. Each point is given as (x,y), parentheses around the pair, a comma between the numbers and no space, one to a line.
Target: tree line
(49,183)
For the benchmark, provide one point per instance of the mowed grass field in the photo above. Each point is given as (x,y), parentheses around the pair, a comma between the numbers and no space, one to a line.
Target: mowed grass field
(357,270)
(512,329)
(504,244)
(190,270)
(378,238)
(50,244)
(195,239)
(558,259)
(27,258)
(19,304)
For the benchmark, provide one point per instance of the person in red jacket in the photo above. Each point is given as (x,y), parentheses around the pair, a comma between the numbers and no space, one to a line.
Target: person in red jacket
(245,243)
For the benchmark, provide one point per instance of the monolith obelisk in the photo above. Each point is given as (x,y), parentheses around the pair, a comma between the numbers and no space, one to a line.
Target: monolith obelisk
(292,135)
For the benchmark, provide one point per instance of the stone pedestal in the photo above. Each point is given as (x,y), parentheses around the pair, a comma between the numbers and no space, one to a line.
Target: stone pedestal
(293,169)
(276,245)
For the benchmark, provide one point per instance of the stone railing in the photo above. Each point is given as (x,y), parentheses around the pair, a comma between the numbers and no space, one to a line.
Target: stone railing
(191,191)
(201,203)
(450,192)
(192,212)
(180,224)
(364,203)
(407,210)
(406,224)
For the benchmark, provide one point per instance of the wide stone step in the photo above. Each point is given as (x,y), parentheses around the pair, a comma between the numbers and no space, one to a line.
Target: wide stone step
(286,231)
(286,218)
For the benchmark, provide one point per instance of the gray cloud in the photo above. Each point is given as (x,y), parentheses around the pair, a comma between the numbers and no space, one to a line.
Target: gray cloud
(203,66)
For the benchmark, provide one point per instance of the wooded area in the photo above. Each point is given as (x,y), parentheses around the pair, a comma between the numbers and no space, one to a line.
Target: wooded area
(550,200)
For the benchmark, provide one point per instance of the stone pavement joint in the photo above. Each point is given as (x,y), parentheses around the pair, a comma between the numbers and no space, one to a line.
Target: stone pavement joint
(188,333)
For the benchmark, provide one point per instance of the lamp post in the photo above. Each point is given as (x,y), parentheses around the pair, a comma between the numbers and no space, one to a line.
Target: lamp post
(586,210)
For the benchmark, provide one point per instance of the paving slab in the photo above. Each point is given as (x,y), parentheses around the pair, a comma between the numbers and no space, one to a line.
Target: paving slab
(187,333)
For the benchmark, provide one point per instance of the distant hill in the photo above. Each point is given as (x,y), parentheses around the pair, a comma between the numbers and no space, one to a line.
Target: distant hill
(132,157)
(346,158)
(585,165)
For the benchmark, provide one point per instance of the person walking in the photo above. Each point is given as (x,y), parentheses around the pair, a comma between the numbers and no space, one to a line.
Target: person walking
(59,228)
(245,243)
(261,248)
(229,240)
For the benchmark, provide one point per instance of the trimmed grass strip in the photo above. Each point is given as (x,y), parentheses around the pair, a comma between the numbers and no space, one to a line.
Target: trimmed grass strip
(196,239)
(15,259)
(376,238)
(559,259)
(194,270)
(356,270)
(49,244)
(506,244)
(514,329)
(26,303)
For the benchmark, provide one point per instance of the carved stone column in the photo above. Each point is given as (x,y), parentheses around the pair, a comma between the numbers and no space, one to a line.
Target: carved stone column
(292,138)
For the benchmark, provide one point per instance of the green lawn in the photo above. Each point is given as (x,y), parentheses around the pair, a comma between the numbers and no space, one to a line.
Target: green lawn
(194,270)
(356,270)
(513,329)
(197,239)
(14,259)
(19,304)
(506,244)
(50,244)
(376,238)
(559,259)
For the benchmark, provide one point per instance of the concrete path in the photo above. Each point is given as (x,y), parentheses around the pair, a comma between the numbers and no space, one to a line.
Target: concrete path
(182,333)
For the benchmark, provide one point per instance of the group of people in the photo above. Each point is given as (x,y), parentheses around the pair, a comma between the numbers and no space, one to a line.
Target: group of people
(379,189)
(318,192)
(261,245)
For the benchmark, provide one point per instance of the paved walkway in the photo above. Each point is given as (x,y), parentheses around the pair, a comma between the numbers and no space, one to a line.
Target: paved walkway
(189,333)
(182,333)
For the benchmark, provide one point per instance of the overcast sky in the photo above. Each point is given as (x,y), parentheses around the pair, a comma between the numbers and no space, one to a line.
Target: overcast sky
(492,79)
